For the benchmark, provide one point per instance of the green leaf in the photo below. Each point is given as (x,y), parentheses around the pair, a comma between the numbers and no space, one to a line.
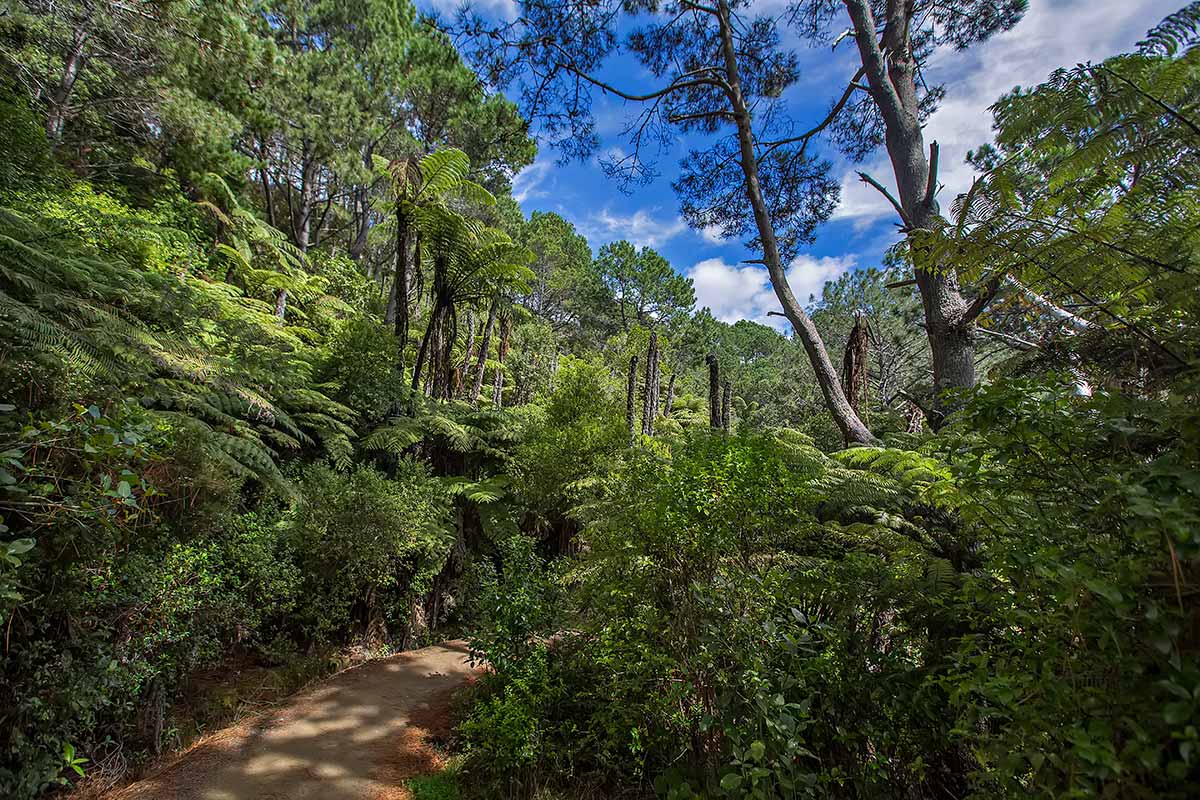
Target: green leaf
(1177,713)
(731,782)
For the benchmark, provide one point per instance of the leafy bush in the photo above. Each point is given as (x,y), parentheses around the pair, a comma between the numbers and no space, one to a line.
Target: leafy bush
(367,546)
(985,618)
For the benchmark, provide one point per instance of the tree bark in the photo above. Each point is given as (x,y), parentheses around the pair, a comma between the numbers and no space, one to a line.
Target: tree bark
(463,373)
(714,392)
(726,405)
(853,430)
(484,346)
(855,378)
(649,405)
(501,353)
(56,116)
(891,76)
(630,394)
(670,401)
(397,309)
(362,211)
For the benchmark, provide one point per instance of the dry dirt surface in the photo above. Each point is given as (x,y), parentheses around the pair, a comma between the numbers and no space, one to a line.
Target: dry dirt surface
(357,735)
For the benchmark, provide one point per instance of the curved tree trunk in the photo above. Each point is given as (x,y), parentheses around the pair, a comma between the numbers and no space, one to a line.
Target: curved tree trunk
(852,428)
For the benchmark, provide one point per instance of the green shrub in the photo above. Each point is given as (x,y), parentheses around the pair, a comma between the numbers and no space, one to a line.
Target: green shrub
(367,546)
(1001,615)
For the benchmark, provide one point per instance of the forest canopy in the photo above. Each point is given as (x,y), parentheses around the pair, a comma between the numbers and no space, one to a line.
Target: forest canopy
(288,377)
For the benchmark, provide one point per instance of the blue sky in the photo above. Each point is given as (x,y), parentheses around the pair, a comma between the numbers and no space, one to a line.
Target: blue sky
(1053,33)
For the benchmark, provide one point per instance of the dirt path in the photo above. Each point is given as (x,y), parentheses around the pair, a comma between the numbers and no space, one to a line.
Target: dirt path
(356,735)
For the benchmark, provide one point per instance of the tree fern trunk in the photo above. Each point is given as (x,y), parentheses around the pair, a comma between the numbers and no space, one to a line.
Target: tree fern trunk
(855,360)
(714,391)
(648,403)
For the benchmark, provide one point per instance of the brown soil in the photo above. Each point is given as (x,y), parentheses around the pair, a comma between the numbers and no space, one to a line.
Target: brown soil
(358,735)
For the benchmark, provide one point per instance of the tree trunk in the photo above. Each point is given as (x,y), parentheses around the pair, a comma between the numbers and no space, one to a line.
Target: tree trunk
(656,384)
(464,368)
(855,377)
(726,405)
(630,395)
(264,178)
(670,401)
(853,430)
(362,212)
(484,346)
(423,351)
(714,392)
(649,405)
(891,73)
(498,387)
(443,378)
(397,310)
(56,116)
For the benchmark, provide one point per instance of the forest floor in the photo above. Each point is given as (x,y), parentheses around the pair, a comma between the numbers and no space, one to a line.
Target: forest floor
(361,734)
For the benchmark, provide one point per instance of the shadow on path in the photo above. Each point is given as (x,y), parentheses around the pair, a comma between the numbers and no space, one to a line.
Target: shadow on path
(356,735)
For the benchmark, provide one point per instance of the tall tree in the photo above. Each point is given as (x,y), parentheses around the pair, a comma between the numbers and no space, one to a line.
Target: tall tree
(716,70)
(643,284)
(894,39)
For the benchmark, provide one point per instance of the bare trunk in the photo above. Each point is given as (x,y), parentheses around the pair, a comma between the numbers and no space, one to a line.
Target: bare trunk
(501,353)
(726,405)
(714,392)
(484,345)
(649,406)
(264,178)
(670,401)
(847,421)
(855,377)
(423,351)
(630,395)
(891,76)
(464,368)
(362,212)
(56,115)
(443,377)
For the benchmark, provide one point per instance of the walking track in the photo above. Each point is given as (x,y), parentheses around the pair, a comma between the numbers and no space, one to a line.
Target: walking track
(355,736)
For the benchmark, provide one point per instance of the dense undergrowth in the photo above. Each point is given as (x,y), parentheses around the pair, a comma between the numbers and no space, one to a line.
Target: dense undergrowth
(237,431)
(997,613)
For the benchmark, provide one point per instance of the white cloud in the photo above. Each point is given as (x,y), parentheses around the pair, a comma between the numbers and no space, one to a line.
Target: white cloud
(807,275)
(527,184)
(736,291)
(641,227)
(1051,35)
